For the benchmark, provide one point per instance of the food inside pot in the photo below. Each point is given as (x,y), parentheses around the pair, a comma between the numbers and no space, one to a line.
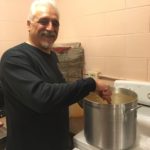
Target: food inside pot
(117,98)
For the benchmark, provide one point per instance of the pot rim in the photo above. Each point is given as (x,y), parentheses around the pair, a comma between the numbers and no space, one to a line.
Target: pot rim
(116,90)
(98,105)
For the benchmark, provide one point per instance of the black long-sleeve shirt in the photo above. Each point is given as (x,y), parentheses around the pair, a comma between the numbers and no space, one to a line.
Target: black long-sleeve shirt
(37,99)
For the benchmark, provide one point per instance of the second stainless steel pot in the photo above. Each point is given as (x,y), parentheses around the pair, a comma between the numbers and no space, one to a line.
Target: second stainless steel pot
(111,126)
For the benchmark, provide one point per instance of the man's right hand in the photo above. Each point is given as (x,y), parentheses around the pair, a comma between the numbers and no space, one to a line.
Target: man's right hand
(103,90)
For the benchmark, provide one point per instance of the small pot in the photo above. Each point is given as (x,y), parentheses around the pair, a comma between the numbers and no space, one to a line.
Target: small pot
(111,126)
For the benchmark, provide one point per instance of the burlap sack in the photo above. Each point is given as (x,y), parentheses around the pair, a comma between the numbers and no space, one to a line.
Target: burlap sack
(71,60)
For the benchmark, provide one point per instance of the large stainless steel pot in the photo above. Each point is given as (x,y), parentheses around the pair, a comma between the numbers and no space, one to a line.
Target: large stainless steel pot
(111,126)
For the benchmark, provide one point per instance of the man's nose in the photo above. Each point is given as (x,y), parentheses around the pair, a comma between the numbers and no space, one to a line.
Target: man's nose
(50,26)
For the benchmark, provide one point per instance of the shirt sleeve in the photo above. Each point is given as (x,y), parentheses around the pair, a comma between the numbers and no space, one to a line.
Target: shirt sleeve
(27,86)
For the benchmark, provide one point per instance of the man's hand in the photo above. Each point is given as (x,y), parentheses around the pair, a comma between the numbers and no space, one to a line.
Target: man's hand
(1,124)
(103,90)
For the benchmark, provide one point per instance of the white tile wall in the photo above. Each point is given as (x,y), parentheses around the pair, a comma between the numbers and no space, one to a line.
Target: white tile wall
(13,30)
(138,45)
(94,6)
(98,46)
(138,20)
(114,33)
(148,69)
(14,10)
(136,3)
(116,22)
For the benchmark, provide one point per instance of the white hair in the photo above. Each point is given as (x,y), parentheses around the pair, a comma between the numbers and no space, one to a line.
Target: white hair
(36,3)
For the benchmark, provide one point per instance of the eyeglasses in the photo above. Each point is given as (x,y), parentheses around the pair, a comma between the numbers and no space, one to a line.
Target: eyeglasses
(45,22)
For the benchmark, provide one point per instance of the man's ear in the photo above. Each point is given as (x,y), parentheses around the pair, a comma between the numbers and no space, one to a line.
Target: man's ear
(28,24)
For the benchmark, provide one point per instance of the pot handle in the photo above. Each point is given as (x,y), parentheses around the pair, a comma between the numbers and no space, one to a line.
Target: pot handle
(133,109)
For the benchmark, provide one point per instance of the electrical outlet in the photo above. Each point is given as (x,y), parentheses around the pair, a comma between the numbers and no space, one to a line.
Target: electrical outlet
(92,74)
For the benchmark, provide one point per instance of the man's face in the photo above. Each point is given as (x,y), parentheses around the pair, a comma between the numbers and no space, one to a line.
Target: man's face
(43,29)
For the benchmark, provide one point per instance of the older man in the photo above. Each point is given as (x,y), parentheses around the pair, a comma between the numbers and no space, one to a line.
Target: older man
(36,94)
